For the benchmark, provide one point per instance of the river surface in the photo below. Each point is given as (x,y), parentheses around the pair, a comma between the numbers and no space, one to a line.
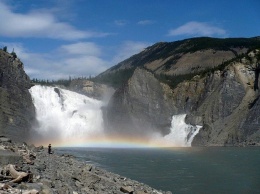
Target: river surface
(181,170)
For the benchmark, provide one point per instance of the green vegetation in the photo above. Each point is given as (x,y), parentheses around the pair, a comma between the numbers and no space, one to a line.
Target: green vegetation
(14,54)
(63,82)
(174,80)
(225,44)
(115,79)
(5,48)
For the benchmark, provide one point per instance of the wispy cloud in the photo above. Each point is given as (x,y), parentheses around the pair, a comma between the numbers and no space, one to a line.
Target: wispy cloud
(81,48)
(197,29)
(127,49)
(145,22)
(120,22)
(39,23)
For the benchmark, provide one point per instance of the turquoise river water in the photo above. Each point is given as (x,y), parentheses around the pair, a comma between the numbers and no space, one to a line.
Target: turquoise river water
(181,170)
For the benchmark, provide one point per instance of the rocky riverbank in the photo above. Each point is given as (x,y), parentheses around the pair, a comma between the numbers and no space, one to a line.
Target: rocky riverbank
(31,170)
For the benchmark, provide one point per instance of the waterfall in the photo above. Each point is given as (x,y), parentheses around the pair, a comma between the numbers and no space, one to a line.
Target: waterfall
(67,118)
(181,133)
(64,115)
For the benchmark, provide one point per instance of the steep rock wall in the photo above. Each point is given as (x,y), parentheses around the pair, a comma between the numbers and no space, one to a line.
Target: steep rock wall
(16,108)
(142,107)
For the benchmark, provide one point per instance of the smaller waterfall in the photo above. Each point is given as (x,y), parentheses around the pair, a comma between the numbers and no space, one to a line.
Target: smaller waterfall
(181,134)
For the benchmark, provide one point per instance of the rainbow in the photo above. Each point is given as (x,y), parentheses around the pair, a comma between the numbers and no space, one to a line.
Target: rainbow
(108,141)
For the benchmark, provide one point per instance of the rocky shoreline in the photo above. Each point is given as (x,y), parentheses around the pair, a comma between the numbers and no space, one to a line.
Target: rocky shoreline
(27,169)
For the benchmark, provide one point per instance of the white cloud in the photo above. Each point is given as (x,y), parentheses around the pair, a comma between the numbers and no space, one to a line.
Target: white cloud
(39,23)
(197,29)
(145,22)
(81,48)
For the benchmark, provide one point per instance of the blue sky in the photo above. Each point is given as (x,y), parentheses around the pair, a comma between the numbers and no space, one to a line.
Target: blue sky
(61,38)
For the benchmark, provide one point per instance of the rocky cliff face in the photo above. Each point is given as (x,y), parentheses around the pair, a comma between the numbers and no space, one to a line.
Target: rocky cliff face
(16,108)
(142,107)
(223,105)
(224,102)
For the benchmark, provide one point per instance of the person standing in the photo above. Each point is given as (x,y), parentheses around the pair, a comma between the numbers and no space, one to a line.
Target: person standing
(49,149)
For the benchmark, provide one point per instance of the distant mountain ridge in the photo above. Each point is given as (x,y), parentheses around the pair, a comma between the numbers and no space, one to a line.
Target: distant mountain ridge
(189,56)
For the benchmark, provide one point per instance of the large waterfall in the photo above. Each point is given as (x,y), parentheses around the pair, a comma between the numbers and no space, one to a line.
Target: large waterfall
(67,118)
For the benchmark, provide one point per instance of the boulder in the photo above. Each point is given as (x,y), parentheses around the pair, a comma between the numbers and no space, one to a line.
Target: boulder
(5,139)
(127,189)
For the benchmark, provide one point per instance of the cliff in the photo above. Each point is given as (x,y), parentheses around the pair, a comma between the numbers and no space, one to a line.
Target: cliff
(16,108)
(141,107)
(224,99)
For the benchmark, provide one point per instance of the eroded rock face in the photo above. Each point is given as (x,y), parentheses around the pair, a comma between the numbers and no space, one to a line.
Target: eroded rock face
(250,127)
(142,106)
(16,108)
(223,102)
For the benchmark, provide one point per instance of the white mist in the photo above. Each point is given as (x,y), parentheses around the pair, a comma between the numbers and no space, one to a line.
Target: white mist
(66,114)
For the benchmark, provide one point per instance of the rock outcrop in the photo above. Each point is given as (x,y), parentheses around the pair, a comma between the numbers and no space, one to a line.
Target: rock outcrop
(17,113)
(142,107)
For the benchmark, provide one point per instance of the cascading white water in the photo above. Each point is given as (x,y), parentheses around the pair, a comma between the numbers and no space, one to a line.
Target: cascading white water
(63,115)
(181,134)
(71,118)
